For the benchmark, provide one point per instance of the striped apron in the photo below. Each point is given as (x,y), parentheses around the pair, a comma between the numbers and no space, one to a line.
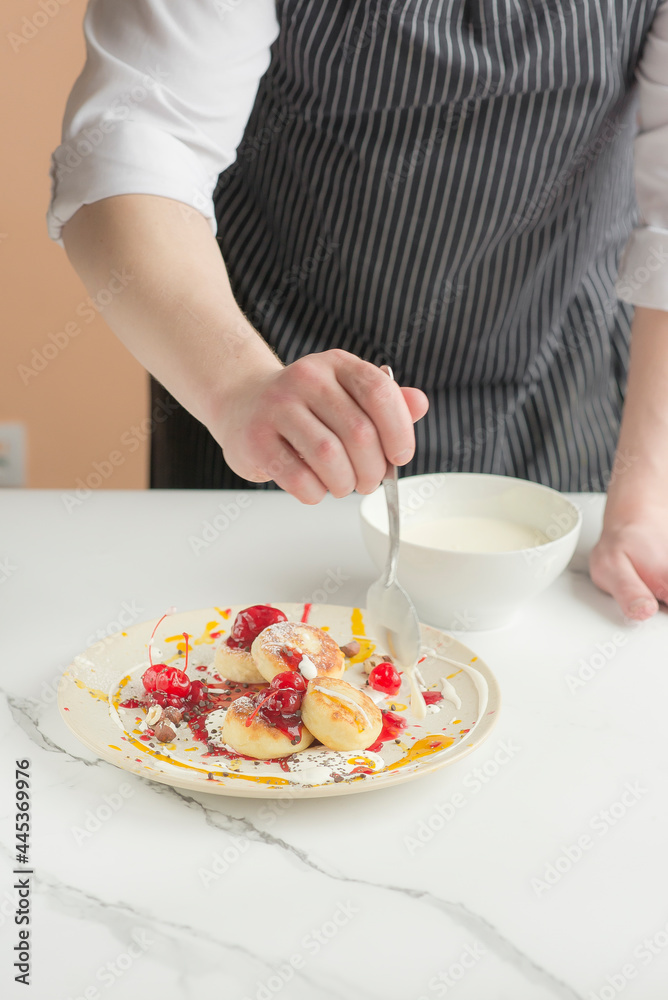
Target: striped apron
(444,186)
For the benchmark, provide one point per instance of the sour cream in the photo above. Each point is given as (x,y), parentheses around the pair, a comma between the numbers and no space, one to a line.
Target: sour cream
(473,534)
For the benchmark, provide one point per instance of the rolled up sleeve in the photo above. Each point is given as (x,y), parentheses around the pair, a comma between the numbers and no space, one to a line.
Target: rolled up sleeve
(162,102)
(643,271)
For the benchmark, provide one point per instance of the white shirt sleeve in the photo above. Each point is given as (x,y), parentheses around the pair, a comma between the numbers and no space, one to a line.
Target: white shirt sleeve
(162,101)
(643,270)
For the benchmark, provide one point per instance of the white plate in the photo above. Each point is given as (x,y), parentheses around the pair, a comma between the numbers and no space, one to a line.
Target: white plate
(109,672)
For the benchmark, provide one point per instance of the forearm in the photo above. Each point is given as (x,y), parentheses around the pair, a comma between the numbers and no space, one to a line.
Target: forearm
(640,474)
(175,310)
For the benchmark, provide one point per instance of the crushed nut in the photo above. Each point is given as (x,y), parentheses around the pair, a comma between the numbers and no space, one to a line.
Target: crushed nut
(174,714)
(374,660)
(351,648)
(153,715)
(164,732)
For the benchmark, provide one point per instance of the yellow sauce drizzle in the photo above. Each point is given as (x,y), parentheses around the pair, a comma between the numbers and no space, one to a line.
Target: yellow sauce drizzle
(357,623)
(93,692)
(423,748)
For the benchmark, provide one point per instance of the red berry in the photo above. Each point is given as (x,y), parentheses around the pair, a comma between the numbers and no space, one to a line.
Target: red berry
(291,656)
(289,679)
(175,699)
(393,723)
(250,622)
(149,676)
(431,697)
(159,698)
(288,702)
(173,681)
(198,692)
(385,677)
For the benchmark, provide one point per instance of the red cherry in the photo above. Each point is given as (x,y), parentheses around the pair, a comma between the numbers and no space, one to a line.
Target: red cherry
(250,622)
(150,674)
(286,702)
(289,679)
(198,692)
(258,705)
(385,677)
(159,698)
(393,723)
(175,700)
(173,681)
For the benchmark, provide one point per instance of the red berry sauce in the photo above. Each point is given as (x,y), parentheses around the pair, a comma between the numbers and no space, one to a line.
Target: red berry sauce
(392,726)
(291,657)
(431,697)
(250,622)
(281,705)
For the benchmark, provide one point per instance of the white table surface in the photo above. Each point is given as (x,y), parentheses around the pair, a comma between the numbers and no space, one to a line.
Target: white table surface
(180,895)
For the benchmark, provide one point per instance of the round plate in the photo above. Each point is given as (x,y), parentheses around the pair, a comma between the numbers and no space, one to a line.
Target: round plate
(108,673)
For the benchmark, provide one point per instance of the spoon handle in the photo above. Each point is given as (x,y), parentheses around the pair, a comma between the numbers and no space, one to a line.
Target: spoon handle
(392,500)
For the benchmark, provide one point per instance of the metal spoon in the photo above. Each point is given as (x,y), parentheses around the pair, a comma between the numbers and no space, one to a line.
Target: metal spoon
(388,604)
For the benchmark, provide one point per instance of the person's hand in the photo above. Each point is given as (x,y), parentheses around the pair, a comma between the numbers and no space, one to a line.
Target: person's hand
(327,422)
(630,560)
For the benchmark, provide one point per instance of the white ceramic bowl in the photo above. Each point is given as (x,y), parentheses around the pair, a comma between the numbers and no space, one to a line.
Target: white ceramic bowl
(466,590)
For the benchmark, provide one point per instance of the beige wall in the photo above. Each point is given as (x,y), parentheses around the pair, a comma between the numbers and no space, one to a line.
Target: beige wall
(84,403)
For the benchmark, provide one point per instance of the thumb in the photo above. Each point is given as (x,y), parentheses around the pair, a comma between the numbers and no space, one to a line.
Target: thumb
(616,574)
(417,402)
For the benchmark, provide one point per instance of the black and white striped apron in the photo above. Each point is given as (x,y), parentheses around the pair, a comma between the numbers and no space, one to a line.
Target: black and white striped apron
(445,186)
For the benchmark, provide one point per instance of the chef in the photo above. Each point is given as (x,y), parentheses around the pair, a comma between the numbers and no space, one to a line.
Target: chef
(301,192)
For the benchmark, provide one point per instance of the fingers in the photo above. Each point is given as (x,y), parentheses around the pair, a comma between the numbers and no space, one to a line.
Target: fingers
(339,412)
(328,421)
(383,401)
(294,475)
(416,401)
(321,449)
(614,573)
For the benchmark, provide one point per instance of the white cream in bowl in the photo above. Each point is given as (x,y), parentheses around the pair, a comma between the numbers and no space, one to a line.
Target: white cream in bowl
(474,548)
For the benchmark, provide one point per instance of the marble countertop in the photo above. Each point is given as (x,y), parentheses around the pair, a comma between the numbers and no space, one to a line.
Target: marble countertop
(533,869)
